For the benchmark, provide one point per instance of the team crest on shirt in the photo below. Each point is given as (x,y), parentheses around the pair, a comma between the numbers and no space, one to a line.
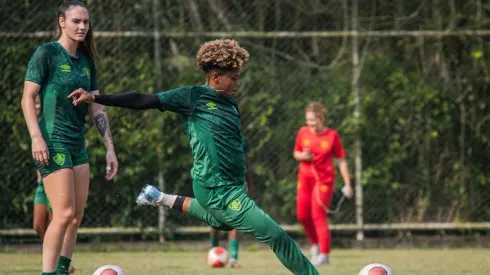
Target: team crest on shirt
(59,159)
(235,205)
(87,72)
(324,188)
(65,68)
(324,144)
(211,106)
(306,142)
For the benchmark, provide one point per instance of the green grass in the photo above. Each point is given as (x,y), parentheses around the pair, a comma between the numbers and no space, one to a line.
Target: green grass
(343,262)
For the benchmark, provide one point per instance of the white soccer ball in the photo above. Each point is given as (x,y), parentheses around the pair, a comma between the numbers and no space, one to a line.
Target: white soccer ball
(376,269)
(217,257)
(109,270)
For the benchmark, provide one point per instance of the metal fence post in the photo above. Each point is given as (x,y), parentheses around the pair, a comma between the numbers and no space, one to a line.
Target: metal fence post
(356,72)
(158,76)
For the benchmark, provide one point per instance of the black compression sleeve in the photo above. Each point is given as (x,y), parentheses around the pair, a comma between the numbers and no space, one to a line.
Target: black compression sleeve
(131,100)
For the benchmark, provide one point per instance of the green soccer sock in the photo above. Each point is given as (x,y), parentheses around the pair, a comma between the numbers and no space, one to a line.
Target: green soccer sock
(63,265)
(49,273)
(214,242)
(233,249)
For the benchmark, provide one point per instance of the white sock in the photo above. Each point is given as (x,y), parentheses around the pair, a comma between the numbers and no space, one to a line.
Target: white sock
(166,200)
(314,250)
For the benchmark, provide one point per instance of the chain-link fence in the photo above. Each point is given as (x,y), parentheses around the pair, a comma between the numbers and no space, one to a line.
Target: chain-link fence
(405,83)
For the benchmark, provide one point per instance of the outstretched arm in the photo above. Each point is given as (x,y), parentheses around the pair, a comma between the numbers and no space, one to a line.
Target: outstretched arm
(131,100)
(101,119)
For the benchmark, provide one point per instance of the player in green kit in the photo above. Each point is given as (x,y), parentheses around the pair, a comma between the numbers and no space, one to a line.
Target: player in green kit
(212,121)
(58,145)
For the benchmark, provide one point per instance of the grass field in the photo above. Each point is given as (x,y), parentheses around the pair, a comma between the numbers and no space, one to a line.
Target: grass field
(344,262)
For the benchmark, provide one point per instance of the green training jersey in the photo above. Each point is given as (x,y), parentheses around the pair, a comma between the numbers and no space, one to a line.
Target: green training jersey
(212,122)
(59,74)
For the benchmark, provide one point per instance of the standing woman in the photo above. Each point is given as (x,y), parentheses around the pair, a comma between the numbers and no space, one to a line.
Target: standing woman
(316,146)
(58,145)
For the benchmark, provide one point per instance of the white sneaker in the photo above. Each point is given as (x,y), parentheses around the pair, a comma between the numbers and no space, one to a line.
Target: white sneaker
(321,259)
(315,251)
(150,195)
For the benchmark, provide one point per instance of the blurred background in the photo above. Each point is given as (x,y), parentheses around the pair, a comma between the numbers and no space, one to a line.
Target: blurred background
(406,84)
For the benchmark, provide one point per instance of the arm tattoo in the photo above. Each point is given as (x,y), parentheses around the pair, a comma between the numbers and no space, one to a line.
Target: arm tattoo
(101,124)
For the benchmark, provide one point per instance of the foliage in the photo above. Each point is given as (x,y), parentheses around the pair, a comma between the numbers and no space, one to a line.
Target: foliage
(424,122)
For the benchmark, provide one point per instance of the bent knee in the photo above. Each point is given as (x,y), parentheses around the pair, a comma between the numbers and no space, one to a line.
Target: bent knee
(222,227)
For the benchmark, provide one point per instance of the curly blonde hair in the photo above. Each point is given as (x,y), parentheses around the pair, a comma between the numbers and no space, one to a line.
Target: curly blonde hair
(223,54)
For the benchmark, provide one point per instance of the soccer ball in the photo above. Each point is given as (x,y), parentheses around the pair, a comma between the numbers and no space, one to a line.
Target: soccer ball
(376,269)
(217,257)
(109,270)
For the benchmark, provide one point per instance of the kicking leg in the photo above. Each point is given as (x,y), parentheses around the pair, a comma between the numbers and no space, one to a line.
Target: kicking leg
(243,214)
(150,195)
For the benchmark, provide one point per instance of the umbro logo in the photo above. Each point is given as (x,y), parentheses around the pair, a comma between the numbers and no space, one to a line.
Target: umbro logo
(211,106)
(65,68)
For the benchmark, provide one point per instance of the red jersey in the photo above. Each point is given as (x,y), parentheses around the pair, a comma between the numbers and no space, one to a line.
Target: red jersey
(323,147)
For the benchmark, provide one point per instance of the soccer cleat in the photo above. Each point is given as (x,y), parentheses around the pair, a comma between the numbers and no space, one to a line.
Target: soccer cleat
(150,195)
(234,263)
(321,259)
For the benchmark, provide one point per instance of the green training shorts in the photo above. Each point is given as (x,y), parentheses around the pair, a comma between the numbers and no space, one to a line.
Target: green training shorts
(62,157)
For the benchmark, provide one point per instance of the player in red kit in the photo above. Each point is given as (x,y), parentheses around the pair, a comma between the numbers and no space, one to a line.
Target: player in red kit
(316,146)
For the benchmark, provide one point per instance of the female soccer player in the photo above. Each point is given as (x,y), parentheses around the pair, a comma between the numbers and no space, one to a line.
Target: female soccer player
(212,121)
(58,146)
(315,147)
(233,243)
